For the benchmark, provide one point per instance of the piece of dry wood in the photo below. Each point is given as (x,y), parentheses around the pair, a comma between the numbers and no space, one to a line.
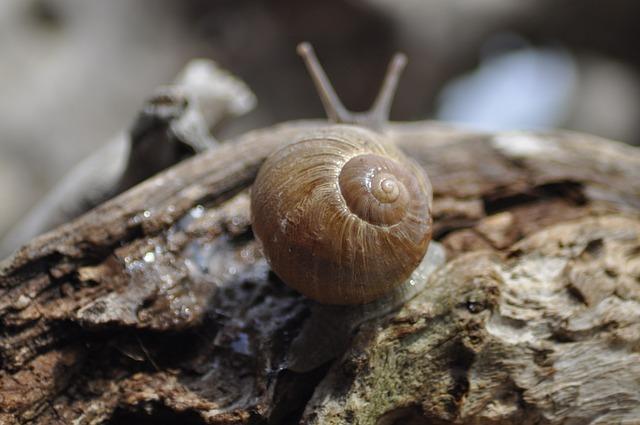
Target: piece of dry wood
(159,305)
(173,124)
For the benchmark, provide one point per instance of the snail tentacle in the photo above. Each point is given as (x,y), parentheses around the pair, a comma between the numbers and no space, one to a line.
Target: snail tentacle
(375,117)
(333,107)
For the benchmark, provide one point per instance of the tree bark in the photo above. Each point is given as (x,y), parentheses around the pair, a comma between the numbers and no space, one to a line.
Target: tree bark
(158,306)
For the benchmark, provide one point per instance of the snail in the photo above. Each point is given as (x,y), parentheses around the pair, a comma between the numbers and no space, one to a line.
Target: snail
(343,216)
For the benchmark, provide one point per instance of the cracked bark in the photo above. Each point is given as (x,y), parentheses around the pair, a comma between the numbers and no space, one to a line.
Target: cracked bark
(157,306)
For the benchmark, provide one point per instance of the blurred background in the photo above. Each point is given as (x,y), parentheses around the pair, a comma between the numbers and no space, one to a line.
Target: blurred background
(73,73)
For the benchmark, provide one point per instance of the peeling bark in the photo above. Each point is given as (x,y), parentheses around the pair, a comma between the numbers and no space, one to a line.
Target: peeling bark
(158,305)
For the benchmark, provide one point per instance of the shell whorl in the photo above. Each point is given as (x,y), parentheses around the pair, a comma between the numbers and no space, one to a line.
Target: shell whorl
(343,217)
(376,188)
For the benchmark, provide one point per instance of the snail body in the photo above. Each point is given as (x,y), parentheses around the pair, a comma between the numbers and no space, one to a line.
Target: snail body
(344,217)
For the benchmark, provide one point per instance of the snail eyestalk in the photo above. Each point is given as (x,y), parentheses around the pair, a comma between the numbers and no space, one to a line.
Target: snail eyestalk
(334,108)
(375,117)
(382,105)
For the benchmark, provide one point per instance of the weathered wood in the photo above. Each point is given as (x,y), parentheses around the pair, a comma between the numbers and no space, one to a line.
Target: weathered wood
(158,304)
(173,124)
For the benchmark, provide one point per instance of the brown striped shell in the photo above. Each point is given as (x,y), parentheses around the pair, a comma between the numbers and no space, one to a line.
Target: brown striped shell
(343,216)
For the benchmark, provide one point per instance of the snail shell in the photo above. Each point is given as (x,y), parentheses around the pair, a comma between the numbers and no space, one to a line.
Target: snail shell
(343,216)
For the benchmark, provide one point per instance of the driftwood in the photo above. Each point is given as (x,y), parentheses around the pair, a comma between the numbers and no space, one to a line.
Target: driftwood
(174,123)
(158,307)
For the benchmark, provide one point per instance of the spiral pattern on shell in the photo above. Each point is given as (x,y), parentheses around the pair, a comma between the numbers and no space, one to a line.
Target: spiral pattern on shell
(343,216)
